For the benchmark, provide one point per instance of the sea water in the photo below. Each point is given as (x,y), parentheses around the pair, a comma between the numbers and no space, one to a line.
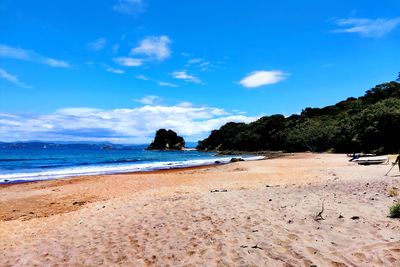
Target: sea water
(24,162)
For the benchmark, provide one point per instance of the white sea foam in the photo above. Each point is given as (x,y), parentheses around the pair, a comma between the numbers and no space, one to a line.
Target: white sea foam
(110,169)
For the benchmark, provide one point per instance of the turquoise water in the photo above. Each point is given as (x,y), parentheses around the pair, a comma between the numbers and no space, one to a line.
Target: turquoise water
(40,161)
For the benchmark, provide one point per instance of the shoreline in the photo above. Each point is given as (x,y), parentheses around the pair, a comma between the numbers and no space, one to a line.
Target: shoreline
(172,170)
(160,167)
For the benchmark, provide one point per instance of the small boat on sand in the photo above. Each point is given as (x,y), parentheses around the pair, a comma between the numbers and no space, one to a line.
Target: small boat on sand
(371,160)
(360,155)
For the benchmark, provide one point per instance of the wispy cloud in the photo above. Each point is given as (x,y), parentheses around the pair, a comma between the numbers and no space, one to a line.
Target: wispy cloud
(195,60)
(15,53)
(129,7)
(142,77)
(30,56)
(205,65)
(160,83)
(373,28)
(200,63)
(154,47)
(132,125)
(149,100)
(263,77)
(166,84)
(55,63)
(129,61)
(12,78)
(185,104)
(97,45)
(116,71)
(183,75)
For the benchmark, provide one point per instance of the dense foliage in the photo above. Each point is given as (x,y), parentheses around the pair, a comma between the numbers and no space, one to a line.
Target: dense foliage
(167,139)
(370,123)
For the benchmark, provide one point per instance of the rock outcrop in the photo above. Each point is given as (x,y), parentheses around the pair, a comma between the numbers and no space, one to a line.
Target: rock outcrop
(167,140)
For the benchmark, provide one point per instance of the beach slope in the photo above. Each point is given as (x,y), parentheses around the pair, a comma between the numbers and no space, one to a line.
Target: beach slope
(297,210)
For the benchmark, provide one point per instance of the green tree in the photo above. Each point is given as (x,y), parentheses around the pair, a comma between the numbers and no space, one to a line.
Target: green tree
(369,123)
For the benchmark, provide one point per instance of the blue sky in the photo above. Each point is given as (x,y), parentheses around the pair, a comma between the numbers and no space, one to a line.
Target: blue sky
(117,70)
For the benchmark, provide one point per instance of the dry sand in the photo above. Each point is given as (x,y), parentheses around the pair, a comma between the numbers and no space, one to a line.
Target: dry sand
(266,217)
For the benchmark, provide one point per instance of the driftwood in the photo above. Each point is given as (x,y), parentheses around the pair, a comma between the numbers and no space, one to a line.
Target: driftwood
(319,217)
(257,247)
(219,190)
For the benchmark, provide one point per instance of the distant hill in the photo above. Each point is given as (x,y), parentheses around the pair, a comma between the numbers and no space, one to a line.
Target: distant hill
(65,145)
(370,123)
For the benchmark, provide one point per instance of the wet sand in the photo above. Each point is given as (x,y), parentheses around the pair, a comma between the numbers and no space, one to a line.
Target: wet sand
(260,213)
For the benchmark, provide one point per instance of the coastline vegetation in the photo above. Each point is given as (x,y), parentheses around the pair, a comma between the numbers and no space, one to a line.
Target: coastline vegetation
(370,124)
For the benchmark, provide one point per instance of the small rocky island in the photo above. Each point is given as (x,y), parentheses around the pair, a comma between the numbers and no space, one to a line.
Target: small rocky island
(167,140)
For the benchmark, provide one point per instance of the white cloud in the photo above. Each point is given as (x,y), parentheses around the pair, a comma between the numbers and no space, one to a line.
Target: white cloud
(15,53)
(129,61)
(182,75)
(135,125)
(142,77)
(55,63)
(201,64)
(116,71)
(167,84)
(30,56)
(262,77)
(239,111)
(129,7)
(12,78)
(149,100)
(154,47)
(195,60)
(98,44)
(185,104)
(374,28)
(205,65)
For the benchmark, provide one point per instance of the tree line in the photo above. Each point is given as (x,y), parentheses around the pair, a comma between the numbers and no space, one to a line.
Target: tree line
(370,123)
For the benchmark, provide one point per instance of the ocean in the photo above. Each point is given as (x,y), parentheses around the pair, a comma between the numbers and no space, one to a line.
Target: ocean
(25,162)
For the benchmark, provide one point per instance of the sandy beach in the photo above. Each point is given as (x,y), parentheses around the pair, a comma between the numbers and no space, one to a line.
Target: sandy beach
(297,210)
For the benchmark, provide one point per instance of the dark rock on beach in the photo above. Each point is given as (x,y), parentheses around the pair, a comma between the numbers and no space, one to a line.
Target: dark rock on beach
(236,159)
